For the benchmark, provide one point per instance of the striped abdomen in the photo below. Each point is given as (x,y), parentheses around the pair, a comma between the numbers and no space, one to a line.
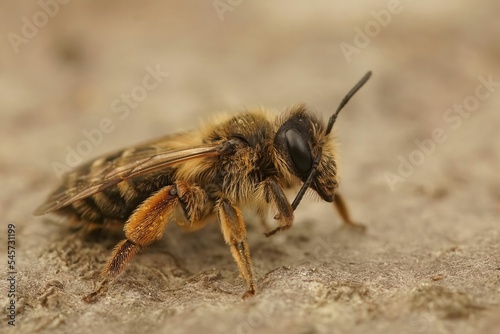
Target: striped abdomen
(116,203)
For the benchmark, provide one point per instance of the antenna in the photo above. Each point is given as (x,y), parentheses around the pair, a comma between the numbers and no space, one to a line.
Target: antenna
(346,99)
(331,121)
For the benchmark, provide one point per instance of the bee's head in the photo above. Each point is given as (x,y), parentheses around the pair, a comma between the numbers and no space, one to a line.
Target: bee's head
(303,143)
(299,140)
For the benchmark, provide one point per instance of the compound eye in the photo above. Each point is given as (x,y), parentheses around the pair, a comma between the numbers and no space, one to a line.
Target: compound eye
(299,152)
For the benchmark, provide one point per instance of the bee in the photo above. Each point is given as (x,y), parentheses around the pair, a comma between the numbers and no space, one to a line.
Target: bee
(193,177)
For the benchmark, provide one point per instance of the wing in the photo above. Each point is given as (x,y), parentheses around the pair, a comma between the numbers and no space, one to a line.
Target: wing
(105,172)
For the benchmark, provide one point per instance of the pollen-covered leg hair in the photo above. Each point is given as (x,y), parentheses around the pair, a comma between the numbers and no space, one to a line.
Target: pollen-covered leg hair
(145,226)
(341,207)
(275,194)
(235,235)
(122,253)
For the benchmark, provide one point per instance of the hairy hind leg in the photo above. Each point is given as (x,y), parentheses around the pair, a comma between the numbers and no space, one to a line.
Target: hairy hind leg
(147,224)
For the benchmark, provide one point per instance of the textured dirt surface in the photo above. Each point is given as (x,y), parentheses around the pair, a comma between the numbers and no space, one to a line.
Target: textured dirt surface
(430,259)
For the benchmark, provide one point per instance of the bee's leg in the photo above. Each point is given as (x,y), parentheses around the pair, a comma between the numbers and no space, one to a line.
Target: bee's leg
(344,213)
(235,235)
(145,226)
(273,193)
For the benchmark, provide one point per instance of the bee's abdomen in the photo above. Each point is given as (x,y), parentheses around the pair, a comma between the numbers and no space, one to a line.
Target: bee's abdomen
(119,201)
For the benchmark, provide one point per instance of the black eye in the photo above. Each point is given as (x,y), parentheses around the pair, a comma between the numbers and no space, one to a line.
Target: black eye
(299,152)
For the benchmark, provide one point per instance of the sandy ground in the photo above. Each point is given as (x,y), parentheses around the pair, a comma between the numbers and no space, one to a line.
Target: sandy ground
(420,173)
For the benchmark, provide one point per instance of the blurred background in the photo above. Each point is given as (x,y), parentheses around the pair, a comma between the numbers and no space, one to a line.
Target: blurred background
(419,148)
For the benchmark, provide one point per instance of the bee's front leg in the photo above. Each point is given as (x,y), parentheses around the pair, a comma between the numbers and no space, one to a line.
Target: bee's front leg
(273,193)
(235,235)
(344,213)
